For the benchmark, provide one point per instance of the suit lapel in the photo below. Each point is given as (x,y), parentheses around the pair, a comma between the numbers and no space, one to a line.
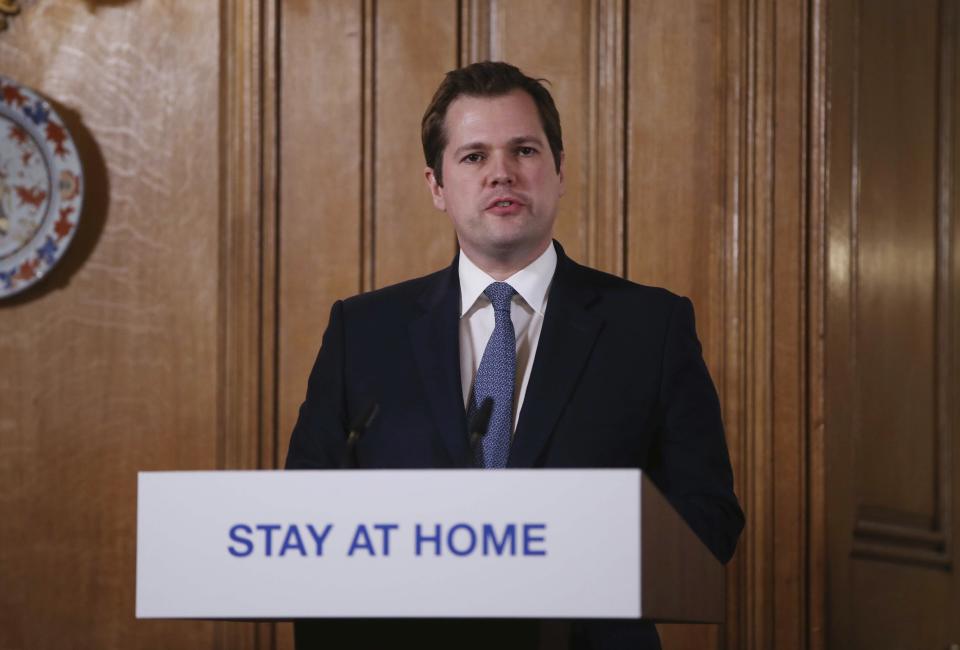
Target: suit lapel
(436,346)
(566,340)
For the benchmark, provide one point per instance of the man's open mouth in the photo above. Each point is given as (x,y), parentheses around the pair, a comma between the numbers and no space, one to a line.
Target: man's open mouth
(504,202)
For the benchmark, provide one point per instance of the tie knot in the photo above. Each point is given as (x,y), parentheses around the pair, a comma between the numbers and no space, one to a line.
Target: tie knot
(500,294)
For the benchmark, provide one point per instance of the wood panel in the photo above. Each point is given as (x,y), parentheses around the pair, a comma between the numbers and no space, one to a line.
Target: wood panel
(675,212)
(893,230)
(247,265)
(676,178)
(774,349)
(319,241)
(411,238)
(111,365)
(890,289)
(786,345)
(717,184)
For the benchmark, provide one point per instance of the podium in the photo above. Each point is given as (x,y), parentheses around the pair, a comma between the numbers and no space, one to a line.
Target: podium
(600,543)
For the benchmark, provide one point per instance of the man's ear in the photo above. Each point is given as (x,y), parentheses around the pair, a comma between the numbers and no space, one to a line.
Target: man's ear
(436,190)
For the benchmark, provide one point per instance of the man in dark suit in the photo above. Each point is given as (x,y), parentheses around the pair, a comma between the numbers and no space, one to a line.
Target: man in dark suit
(582,369)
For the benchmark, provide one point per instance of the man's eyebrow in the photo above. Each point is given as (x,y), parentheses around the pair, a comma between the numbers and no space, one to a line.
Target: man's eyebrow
(523,139)
(470,146)
(512,142)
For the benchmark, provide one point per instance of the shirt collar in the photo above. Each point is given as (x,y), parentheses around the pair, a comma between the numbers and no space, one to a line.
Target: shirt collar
(532,282)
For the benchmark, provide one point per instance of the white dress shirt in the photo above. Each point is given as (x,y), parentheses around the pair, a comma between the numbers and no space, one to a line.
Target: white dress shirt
(527,308)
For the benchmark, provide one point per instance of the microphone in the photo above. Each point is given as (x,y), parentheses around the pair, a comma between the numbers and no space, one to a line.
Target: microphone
(479,421)
(360,424)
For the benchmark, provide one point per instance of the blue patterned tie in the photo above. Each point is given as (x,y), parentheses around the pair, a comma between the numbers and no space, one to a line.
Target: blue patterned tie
(495,378)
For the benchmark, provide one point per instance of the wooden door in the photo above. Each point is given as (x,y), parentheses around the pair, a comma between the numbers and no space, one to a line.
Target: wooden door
(892,367)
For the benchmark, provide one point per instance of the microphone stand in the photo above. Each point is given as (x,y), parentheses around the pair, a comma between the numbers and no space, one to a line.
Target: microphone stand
(477,426)
(361,424)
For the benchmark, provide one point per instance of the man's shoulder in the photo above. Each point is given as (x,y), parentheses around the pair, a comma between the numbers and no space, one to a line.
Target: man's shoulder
(401,296)
(620,291)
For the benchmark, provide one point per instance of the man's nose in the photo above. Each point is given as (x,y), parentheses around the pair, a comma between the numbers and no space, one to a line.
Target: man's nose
(502,170)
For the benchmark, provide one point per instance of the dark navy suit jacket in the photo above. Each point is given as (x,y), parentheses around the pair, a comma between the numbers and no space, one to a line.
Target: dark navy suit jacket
(618,381)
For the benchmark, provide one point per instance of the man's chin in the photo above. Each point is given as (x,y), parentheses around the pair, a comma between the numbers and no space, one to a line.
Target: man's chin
(515,247)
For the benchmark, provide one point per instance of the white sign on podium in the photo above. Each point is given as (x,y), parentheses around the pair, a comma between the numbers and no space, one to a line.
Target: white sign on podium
(390,543)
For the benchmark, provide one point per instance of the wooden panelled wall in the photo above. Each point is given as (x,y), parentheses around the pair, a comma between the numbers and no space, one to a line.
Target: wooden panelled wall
(250,161)
(239,184)
(110,366)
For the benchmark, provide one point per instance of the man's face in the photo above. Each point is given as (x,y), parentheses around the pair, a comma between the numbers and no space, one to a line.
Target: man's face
(500,183)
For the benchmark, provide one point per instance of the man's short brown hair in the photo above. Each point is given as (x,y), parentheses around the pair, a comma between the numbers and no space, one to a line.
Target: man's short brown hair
(485,79)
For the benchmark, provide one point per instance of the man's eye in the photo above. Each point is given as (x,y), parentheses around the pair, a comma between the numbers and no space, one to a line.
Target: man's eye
(472,158)
(526,151)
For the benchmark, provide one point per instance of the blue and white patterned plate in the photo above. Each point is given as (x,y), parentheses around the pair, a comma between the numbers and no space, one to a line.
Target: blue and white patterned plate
(41,187)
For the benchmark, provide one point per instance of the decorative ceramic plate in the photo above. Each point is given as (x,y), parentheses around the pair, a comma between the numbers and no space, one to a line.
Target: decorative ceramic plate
(41,188)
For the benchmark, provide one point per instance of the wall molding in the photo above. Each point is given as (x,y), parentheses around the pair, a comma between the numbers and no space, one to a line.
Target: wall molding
(368,180)
(241,235)
(606,196)
(770,134)
(475,33)
(816,278)
(249,135)
(946,356)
